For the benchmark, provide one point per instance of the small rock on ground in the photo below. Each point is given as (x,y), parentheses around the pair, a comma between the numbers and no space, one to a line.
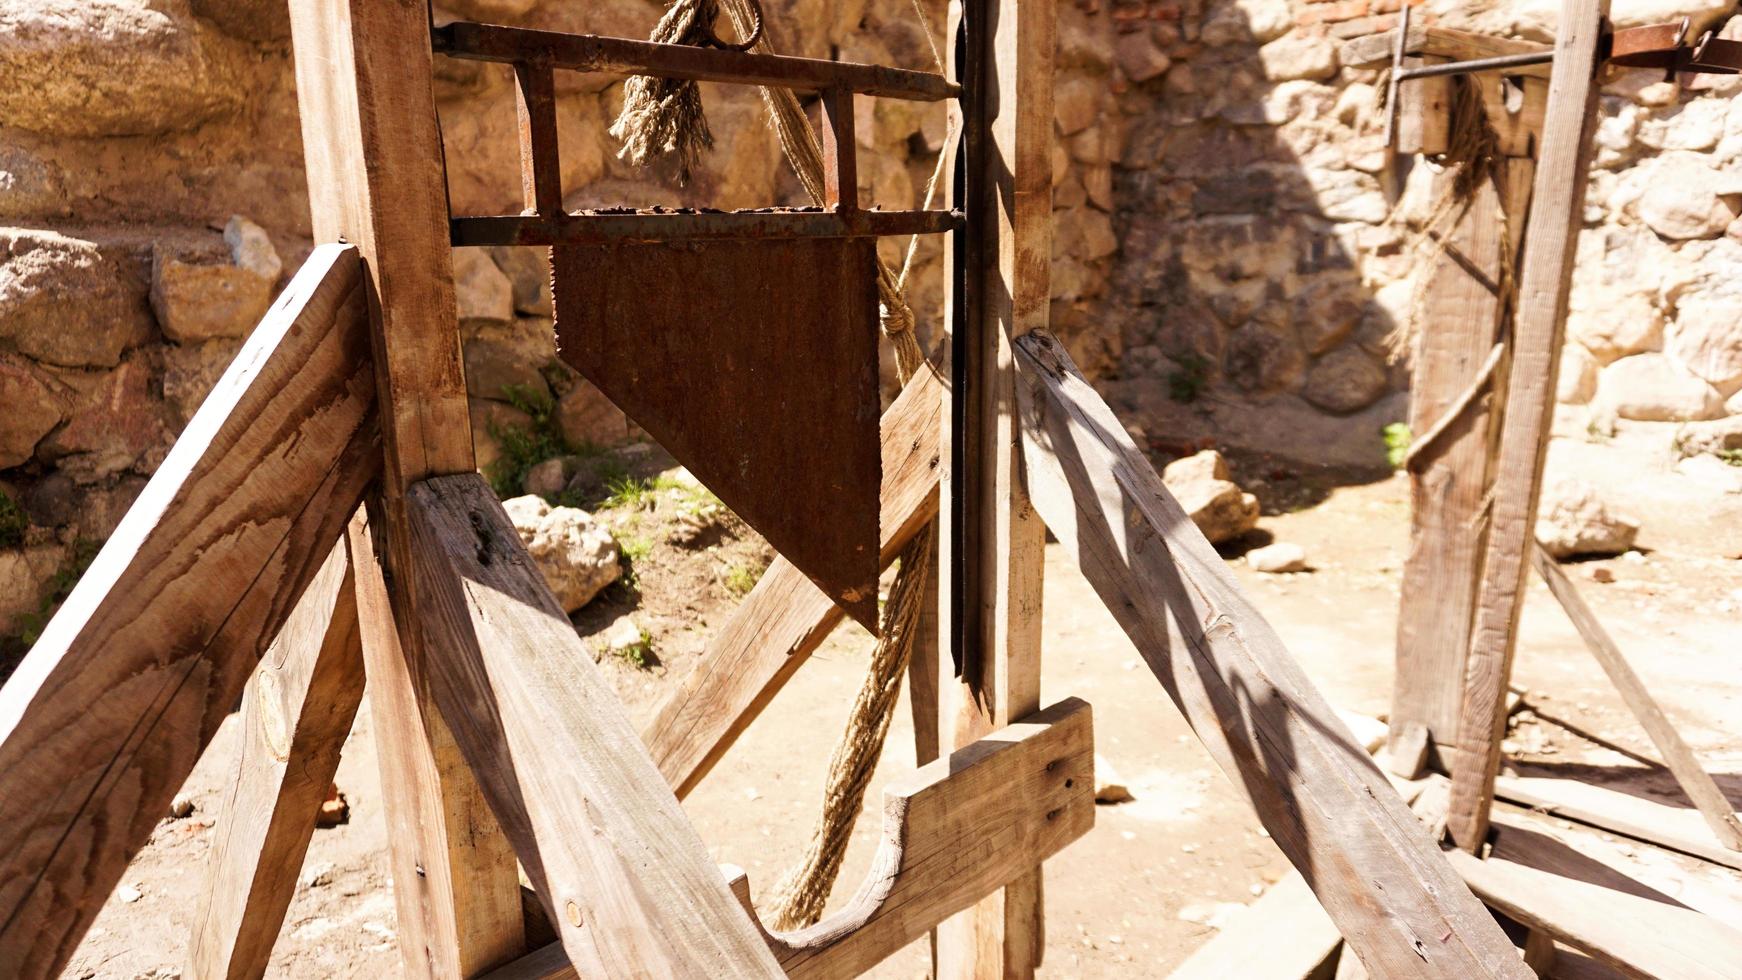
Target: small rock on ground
(1574,519)
(575,553)
(1109,788)
(1276,558)
(1215,503)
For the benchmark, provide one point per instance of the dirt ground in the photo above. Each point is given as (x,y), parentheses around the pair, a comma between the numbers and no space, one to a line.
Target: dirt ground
(1157,875)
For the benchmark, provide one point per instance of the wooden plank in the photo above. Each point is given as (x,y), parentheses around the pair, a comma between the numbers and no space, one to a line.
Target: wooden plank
(785,617)
(1556,214)
(376,179)
(1374,50)
(1424,112)
(296,711)
(953,831)
(1674,827)
(104,718)
(617,867)
(1597,910)
(991,543)
(1367,858)
(458,913)
(1285,935)
(1719,815)
(1460,315)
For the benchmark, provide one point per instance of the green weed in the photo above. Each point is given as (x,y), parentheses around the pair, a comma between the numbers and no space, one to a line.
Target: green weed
(1397,439)
(638,654)
(1731,456)
(740,579)
(1189,379)
(13,523)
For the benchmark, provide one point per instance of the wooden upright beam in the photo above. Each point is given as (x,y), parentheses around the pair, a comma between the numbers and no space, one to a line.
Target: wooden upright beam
(296,712)
(620,871)
(1556,214)
(1461,314)
(1369,861)
(991,542)
(107,714)
(376,179)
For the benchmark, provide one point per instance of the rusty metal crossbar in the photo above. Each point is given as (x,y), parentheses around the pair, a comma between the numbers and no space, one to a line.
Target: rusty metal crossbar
(535,55)
(601,227)
(623,56)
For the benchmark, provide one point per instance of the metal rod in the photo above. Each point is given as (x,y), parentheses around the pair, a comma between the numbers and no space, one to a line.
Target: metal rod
(622,56)
(1479,64)
(595,228)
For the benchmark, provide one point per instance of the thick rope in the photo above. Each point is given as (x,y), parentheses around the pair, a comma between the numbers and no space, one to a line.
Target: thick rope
(660,120)
(797,900)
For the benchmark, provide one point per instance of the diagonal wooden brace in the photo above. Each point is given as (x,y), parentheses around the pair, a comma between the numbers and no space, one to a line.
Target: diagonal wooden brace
(953,831)
(786,617)
(107,714)
(1367,858)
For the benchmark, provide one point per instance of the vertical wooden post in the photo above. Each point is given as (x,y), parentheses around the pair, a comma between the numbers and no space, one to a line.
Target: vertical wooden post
(1461,315)
(376,179)
(991,541)
(1557,208)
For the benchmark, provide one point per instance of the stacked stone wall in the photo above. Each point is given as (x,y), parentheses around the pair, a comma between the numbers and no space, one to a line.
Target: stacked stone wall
(1228,261)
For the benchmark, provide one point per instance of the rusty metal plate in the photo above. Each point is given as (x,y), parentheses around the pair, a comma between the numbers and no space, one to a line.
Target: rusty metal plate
(754,363)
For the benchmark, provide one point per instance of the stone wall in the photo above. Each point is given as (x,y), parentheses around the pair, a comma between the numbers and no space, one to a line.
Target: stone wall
(1225,260)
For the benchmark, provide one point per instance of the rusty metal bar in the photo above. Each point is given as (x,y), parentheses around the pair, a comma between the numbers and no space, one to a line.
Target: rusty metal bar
(540,163)
(840,161)
(622,56)
(598,228)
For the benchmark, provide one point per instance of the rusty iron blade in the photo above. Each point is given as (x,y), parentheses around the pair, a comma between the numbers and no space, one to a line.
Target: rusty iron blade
(754,363)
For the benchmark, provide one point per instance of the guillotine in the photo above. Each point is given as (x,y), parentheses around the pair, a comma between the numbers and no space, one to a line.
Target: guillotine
(320,526)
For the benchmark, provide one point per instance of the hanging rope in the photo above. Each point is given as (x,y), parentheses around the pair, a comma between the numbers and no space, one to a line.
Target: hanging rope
(666,118)
(662,118)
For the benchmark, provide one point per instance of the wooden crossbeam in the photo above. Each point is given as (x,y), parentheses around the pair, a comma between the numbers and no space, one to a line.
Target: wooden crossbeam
(621,873)
(376,178)
(1719,815)
(105,717)
(953,831)
(1556,210)
(785,617)
(296,711)
(1369,861)
(1620,922)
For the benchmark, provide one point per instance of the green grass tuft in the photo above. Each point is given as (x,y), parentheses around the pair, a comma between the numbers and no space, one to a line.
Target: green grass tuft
(13,522)
(1397,439)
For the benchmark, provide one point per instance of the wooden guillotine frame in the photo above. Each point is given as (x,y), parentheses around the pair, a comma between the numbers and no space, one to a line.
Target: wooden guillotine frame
(320,527)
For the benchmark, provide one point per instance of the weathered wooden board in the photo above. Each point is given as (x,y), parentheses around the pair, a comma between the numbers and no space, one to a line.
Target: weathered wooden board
(991,544)
(1556,214)
(1285,935)
(106,715)
(1460,314)
(377,179)
(296,711)
(785,617)
(953,831)
(1719,815)
(1374,50)
(1620,922)
(616,865)
(1674,827)
(754,363)
(1367,858)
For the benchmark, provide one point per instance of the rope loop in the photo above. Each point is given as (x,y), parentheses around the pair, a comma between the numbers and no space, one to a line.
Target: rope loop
(712,40)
